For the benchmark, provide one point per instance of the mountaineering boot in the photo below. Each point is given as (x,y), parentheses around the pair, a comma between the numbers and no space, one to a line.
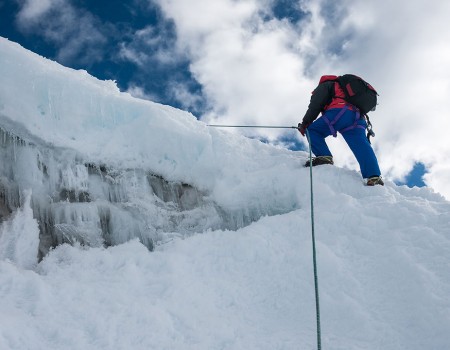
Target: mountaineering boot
(375,180)
(320,160)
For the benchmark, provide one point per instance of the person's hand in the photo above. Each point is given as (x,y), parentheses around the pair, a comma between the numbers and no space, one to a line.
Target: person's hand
(302,128)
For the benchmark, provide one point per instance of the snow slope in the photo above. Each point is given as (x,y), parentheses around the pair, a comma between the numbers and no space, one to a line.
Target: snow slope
(383,252)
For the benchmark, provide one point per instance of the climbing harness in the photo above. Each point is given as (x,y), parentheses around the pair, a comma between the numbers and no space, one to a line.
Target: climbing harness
(358,116)
(336,119)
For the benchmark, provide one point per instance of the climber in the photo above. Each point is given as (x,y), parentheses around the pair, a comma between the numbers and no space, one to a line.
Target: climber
(339,115)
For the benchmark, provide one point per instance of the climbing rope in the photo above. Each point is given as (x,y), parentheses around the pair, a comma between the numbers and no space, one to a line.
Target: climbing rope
(253,126)
(316,280)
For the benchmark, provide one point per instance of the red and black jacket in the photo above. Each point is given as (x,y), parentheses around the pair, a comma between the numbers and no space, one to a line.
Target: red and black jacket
(327,95)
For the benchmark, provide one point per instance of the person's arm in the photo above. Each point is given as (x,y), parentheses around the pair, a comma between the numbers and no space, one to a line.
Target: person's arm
(321,96)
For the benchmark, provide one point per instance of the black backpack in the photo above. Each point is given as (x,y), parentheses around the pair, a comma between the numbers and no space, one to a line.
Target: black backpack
(358,92)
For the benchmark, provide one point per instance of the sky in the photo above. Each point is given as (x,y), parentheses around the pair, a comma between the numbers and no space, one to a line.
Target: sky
(256,62)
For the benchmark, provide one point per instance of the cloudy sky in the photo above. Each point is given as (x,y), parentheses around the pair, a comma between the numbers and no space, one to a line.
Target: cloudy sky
(256,62)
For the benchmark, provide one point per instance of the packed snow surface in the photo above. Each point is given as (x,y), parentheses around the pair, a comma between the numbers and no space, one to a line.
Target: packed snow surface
(383,252)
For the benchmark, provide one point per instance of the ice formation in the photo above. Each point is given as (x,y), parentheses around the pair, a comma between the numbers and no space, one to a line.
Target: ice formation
(104,167)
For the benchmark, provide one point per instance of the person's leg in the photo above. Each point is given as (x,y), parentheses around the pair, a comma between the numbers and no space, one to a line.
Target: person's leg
(318,131)
(364,154)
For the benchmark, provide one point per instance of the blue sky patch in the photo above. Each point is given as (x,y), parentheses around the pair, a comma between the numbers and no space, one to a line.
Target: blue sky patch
(415,177)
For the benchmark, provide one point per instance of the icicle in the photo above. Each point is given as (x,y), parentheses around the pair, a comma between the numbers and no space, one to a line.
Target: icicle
(19,236)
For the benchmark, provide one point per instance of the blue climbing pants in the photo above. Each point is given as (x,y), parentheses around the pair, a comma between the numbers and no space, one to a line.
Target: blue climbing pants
(354,134)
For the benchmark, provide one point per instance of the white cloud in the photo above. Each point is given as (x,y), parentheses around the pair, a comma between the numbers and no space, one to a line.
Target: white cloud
(150,45)
(138,92)
(195,19)
(248,67)
(128,53)
(33,10)
(187,99)
(257,71)
(438,177)
(76,33)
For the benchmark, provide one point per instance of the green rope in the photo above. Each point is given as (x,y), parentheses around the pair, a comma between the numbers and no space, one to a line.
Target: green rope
(316,282)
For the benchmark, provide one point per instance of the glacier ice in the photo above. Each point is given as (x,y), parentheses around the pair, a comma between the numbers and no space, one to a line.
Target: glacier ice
(104,167)
(97,205)
(19,236)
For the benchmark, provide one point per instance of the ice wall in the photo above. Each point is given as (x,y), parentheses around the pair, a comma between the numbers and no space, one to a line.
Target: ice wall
(92,204)
(104,167)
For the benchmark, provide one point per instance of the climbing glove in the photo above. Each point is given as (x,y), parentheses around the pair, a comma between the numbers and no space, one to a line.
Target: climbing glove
(302,128)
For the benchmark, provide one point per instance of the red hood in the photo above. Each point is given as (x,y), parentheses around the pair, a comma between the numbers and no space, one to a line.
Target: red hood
(327,78)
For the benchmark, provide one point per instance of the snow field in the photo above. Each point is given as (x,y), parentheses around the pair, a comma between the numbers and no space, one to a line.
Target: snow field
(382,277)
